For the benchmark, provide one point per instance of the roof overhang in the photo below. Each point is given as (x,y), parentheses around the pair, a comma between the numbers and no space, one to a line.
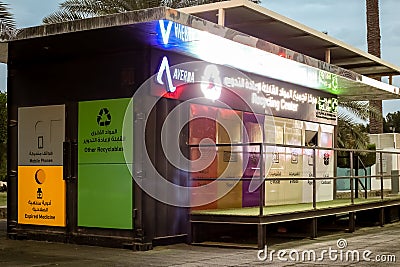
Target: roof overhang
(213,43)
(255,20)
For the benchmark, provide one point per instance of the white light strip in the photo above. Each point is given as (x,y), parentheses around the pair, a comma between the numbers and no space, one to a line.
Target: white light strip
(218,50)
(383,86)
(241,54)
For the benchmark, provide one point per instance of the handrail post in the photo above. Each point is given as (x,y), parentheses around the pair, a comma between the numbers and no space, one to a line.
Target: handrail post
(356,174)
(262,188)
(381,172)
(351,178)
(314,196)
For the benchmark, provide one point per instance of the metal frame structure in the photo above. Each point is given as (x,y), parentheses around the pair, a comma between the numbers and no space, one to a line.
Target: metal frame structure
(48,65)
(255,20)
(261,219)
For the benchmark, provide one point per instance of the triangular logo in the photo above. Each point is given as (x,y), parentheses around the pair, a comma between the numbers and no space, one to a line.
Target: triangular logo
(164,67)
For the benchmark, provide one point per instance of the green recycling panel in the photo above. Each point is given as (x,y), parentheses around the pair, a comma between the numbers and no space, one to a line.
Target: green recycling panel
(102,133)
(104,179)
(104,196)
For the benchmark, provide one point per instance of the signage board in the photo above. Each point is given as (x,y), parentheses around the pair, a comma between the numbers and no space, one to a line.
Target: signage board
(104,179)
(41,188)
(180,77)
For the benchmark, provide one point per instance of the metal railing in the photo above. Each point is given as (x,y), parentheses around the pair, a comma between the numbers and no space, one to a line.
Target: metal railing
(263,177)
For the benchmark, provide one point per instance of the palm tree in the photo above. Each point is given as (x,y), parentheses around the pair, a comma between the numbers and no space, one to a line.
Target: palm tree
(7,23)
(7,31)
(3,136)
(80,9)
(351,133)
(374,48)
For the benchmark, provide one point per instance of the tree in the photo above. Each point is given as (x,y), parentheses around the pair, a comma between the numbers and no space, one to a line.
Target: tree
(7,31)
(391,124)
(7,23)
(354,135)
(80,9)
(374,48)
(3,117)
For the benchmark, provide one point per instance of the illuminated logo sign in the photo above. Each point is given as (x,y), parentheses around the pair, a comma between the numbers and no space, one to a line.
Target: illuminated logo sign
(164,67)
(165,32)
(328,80)
(177,32)
(211,83)
(327,104)
(171,77)
(327,107)
(271,96)
(181,75)
(263,94)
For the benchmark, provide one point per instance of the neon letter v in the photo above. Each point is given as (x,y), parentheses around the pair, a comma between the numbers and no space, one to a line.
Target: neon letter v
(165,32)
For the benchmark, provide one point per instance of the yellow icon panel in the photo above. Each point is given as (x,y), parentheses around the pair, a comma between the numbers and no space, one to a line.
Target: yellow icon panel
(41,195)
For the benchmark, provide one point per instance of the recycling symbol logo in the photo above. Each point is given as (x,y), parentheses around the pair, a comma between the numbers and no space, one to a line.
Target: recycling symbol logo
(104,117)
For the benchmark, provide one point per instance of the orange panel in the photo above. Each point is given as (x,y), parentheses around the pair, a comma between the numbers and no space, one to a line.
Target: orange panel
(204,197)
(41,195)
(233,199)
(203,125)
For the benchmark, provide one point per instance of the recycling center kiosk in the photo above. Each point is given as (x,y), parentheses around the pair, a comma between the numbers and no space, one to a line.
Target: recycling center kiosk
(101,109)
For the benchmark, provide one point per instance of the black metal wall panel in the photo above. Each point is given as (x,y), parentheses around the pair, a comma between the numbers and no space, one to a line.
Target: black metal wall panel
(92,65)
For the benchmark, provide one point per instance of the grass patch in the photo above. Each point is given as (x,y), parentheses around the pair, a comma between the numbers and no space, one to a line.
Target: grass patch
(3,199)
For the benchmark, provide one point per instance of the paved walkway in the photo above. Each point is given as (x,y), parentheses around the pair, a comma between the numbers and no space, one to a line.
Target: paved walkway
(374,243)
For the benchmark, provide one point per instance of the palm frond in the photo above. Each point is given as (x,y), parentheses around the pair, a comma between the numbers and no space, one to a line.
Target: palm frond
(350,133)
(79,9)
(7,23)
(6,17)
(187,3)
(361,109)
(71,9)
(130,5)
(61,16)
(138,4)
(94,7)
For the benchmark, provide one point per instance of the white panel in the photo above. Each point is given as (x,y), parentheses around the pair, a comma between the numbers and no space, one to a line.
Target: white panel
(41,132)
